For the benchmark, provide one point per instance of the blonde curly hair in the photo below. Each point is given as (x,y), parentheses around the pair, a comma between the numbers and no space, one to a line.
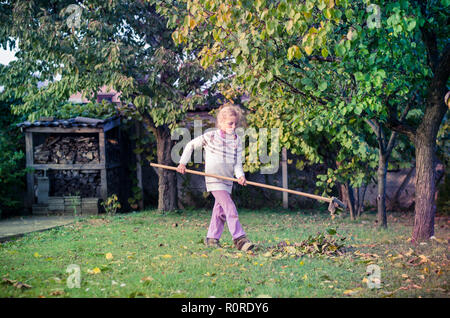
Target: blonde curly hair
(229,110)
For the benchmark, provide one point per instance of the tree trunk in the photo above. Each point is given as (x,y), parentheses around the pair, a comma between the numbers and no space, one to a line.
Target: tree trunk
(384,152)
(425,206)
(351,201)
(361,200)
(381,198)
(167,182)
(346,195)
(425,142)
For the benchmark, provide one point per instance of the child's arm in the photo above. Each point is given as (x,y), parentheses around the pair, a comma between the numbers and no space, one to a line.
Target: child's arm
(187,152)
(238,170)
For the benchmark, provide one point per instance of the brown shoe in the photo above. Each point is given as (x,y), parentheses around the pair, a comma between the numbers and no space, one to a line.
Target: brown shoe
(211,242)
(243,244)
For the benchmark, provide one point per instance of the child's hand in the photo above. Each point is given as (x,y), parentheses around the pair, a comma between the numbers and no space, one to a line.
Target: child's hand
(242,181)
(181,168)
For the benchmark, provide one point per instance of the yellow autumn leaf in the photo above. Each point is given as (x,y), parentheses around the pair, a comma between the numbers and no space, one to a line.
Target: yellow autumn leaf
(409,253)
(350,292)
(36,254)
(94,271)
(166,256)
(308,50)
(109,256)
(147,279)
(192,23)
(204,256)
(290,249)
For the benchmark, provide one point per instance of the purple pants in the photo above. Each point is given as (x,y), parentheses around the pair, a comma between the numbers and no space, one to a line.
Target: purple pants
(224,209)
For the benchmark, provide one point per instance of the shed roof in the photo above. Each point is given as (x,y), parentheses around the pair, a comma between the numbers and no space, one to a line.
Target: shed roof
(69,123)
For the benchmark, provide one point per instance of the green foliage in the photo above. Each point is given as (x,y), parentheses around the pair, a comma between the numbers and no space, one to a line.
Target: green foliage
(111,205)
(101,110)
(12,162)
(331,74)
(124,44)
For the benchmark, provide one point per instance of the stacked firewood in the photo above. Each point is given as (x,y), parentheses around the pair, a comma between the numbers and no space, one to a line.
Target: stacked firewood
(67,150)
(84,183)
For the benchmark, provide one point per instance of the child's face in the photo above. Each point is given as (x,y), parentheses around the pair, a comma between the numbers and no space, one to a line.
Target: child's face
(228,124)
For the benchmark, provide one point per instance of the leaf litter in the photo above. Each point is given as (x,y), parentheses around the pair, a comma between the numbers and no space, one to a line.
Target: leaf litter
(328,244)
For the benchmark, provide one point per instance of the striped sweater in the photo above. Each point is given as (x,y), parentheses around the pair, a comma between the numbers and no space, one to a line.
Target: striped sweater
(223,156)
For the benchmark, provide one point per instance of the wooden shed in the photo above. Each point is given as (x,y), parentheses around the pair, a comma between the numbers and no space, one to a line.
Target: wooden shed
(74,163)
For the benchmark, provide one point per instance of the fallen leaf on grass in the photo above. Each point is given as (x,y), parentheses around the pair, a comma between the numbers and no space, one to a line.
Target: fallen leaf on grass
(411,286)
(208,274)
(57,293)
(147,279)
(21,285)
(410,252)
(350,292)
(109,256)
(442,241)
(440,289)
(15,283)
(94,271)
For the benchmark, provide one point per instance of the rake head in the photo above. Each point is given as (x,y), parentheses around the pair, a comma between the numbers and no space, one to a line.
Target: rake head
(335,203)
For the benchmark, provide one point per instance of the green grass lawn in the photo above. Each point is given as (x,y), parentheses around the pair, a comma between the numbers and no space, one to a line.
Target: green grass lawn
(150,254)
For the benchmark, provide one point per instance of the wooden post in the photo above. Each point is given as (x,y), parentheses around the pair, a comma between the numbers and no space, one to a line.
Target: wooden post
(30,175)
(284,176)
(103,179)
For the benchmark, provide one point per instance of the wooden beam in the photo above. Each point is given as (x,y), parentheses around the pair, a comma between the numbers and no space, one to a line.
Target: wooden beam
(103,178)
(76,166)
(103,185)
(101,147)
(58,130)
(30,175)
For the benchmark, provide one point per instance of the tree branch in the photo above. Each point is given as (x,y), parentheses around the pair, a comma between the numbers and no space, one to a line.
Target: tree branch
(405,129)
(324,59)
(297,91)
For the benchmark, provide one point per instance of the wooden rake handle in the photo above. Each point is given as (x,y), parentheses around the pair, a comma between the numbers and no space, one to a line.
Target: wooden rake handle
(333,202)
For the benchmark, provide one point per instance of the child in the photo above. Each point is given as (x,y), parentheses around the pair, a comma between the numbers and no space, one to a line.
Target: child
(223,156)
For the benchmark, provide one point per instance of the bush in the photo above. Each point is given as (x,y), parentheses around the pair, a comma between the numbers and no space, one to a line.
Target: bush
(12,165)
